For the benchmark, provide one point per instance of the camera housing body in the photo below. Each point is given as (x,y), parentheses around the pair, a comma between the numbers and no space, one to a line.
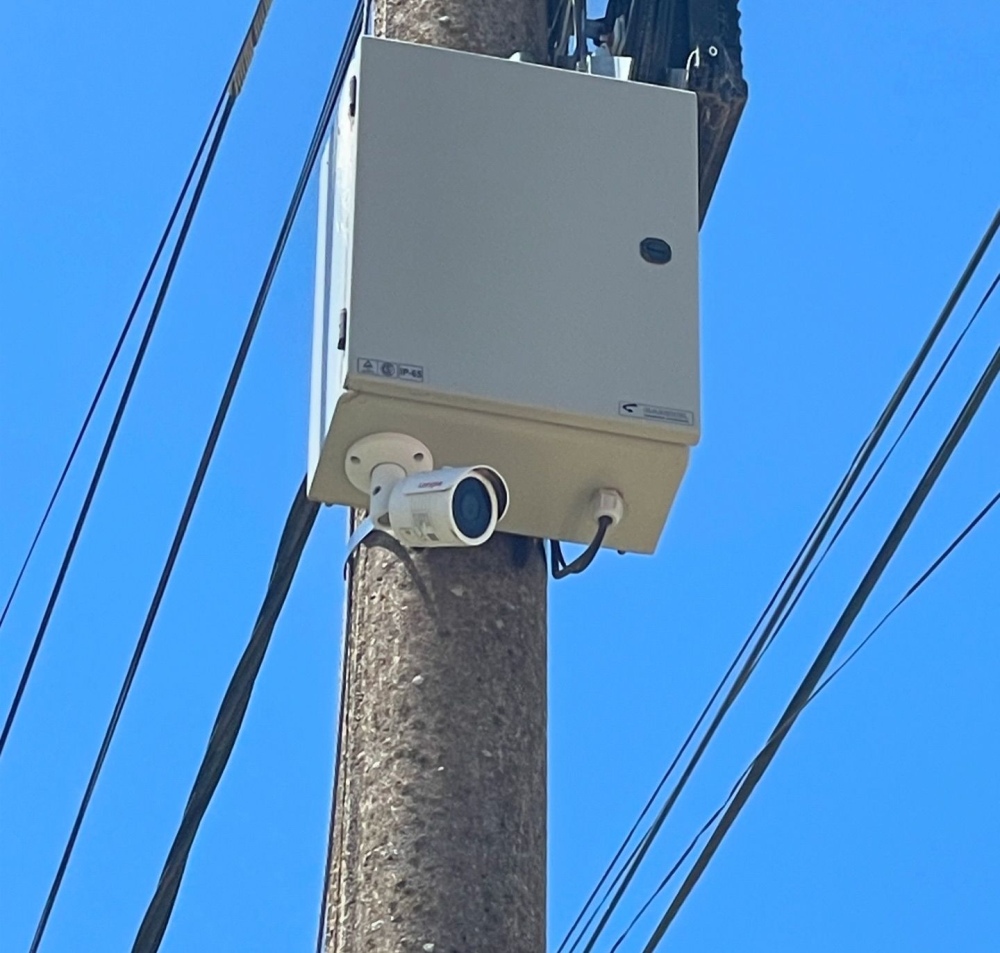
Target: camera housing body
(420,506)
(453,506)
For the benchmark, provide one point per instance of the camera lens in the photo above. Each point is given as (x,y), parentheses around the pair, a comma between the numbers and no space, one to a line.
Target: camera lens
(472,507)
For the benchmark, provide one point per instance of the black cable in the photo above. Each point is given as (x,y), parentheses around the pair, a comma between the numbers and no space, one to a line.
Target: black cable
(115,424)
(766,640)
(339,746)
(228,722)
(763,644)
(235,79)
(885,459)
(234,84)
(580,28)
(560,570)
(114,355)
(952,546)
(354,519)
(825,656)
(782,601)
(676,866)
(206,458)
(47,909)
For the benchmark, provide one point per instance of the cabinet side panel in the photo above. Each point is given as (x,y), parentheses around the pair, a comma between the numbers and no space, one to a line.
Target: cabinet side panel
(319,412)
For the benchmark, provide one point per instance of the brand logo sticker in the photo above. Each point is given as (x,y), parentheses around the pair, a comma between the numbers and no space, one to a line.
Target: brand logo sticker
(663,415)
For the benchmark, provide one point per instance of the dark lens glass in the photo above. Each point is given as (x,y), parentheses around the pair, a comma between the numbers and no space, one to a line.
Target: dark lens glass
(471,507)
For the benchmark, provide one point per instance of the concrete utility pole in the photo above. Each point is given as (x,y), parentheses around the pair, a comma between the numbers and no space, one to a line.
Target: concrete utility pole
(439,837)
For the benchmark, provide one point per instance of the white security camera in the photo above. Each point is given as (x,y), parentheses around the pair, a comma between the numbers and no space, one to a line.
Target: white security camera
(453,506)
(450,506)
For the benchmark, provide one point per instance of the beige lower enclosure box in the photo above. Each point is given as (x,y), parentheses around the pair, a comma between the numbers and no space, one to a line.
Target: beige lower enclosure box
(507,277)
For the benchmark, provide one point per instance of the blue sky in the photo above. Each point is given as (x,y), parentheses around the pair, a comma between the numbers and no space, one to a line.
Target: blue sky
(860,180)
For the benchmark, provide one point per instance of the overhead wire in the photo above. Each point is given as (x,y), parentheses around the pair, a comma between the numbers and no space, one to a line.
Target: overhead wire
(764,642)
(784,598)
(888,454)
(927,573)
(206,458)
(109,441)
(113,360)
(914,587)
(233,87)
(228,722)
(833,642)
(187,511)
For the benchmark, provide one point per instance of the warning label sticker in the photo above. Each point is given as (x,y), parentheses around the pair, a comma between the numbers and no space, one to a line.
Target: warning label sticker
(379,368)
(664,415)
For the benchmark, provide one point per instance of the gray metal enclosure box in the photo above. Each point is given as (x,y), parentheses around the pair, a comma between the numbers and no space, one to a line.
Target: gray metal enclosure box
(485,283)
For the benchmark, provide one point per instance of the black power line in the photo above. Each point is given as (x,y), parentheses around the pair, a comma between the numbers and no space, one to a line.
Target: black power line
(115,424)
(829,648)
(91,490)
(206,457)
(234,85)
(114,355)
(234,82)
(782,602)
(924,576)
(885,459)
(227,725)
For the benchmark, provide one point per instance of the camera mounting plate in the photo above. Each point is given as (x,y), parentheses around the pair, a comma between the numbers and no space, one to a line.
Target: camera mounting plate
(364,455)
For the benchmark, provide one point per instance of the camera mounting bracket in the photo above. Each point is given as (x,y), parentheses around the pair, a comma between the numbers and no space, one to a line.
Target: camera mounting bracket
(364,455)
